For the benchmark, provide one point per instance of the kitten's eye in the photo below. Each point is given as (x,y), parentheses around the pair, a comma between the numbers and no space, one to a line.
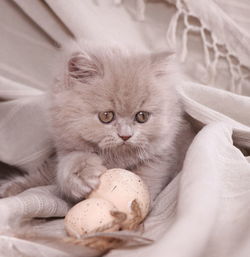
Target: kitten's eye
(142,116)
(106,117)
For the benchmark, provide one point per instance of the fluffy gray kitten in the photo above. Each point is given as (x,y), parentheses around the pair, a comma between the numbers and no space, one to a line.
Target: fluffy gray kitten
(117,108)
(112,108)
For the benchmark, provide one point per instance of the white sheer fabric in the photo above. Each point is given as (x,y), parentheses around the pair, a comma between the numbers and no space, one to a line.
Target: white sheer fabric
(204,210)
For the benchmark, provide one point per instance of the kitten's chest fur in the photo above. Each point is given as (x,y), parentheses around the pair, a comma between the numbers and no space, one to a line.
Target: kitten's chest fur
(121,157)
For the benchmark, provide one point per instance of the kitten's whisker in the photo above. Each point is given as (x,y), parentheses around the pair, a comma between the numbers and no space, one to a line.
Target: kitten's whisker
(141,152)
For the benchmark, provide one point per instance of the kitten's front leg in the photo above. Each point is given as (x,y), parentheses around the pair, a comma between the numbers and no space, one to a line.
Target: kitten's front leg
(78,174)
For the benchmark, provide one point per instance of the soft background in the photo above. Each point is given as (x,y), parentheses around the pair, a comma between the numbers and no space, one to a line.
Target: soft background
(205,210)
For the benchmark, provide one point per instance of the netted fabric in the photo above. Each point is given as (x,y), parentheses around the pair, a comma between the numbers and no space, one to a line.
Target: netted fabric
(217,50)
(221,39)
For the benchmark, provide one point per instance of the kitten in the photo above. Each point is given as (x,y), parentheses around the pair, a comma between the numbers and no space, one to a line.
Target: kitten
(112,108)
(117,108)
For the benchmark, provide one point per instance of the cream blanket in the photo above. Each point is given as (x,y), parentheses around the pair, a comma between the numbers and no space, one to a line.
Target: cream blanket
(205,210)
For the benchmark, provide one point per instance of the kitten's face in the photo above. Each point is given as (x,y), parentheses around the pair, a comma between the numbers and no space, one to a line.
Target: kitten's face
(114,100)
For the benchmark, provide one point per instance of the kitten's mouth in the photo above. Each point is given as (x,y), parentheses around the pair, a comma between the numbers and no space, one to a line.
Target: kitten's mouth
(123,145)
(126,143)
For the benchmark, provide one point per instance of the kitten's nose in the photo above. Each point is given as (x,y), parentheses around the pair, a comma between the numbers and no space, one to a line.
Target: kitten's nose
(124,138)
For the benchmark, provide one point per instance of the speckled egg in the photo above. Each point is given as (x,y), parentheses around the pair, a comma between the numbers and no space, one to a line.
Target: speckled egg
(122,187)
(90,216)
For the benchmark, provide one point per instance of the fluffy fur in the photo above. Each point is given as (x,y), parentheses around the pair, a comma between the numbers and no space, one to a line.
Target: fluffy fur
(99,79)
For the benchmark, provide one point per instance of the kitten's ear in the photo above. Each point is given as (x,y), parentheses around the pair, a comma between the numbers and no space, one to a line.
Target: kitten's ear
(83,67)
(162,61)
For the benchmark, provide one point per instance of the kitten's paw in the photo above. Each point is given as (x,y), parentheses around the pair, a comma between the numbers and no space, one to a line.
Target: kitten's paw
(79,174)
(10,188)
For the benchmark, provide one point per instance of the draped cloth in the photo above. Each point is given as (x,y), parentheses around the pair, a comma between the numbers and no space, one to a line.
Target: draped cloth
(205,210)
